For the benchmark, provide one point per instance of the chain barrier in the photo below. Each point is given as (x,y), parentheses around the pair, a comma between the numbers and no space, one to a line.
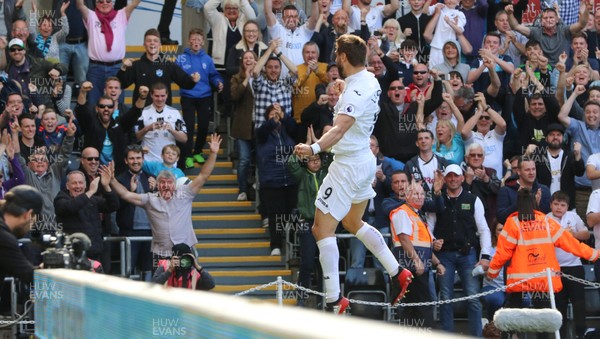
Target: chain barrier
(429,303)
(14,322)
(256,289)
(579,280)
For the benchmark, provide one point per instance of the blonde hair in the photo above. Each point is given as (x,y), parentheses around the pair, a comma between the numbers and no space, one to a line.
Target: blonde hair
(399,35)
(452,128)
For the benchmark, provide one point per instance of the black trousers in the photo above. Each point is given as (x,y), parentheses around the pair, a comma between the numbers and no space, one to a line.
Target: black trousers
(166,15)
(575,292)
(195,111)
(420,316)
(278,204)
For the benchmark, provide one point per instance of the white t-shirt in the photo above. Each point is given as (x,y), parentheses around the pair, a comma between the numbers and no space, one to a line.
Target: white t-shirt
(569,220)
(157,139)
(292,43)
(97,49)
(443,31)
(594,207)
(359,100)
(428,175)
(555,171)
(492,144)
(374,18)
(594,160)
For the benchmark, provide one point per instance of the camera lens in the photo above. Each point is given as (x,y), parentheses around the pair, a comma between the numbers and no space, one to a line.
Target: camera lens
(186,262)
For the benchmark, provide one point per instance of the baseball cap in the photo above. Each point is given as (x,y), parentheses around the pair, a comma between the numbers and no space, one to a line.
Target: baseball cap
(453,169)
(16,42)
(181,249)
(556,127)
(26,197)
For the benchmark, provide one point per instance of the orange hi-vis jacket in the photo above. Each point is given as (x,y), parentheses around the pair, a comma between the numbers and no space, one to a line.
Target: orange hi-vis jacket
(420,238)
(530,247)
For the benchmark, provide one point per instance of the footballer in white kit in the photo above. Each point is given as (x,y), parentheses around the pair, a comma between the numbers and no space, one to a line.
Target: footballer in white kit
(346,189)
(351,174)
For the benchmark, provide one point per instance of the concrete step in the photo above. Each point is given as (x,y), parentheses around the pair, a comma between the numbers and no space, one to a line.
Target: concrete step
(232,233)
(233,248)
(262,261)
(223,206)
(217,194)
(233,277)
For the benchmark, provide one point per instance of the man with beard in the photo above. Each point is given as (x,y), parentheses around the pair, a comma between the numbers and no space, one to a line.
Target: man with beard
(131,219)
(19,209)
(153,67)
(103,131)
(327,35)
(77,210)
(557,168)
(293,37)
(347,189)
(170,209)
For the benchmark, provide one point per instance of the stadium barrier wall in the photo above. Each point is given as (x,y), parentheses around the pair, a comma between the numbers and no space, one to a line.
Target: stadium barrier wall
(78,304)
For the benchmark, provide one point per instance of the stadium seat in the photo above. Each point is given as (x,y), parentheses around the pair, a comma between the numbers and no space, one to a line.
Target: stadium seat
(368,284)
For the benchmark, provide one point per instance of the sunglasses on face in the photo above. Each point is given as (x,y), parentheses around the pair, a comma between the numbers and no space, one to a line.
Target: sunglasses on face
(16,49)
(103,1)
(105,106)
(476,155)
(396,88)
(484,117)
(420,72)
(92,158)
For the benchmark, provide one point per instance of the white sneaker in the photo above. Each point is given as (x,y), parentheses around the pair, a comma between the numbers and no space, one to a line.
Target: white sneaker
(242,196)
(265,223)
(276,251)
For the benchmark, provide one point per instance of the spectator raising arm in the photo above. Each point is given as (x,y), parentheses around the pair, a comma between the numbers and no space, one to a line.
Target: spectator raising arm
(214,145)
(563,115)
(514,24)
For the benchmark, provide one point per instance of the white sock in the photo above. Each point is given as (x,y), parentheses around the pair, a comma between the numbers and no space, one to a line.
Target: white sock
(375,243)
(329,257)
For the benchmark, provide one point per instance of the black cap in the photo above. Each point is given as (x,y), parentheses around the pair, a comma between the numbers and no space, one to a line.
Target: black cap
(26,197)
(556,127)
(181,249)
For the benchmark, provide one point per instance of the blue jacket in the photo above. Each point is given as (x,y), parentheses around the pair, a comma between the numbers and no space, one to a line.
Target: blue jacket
(202,63)
(273,147)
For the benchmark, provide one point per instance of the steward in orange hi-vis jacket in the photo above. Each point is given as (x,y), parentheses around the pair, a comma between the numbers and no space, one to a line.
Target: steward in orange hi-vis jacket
(530,246)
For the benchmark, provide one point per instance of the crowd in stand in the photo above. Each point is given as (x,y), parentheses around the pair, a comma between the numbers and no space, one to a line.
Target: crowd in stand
(474,106)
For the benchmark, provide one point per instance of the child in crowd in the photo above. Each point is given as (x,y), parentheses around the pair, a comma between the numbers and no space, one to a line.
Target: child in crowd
(309,173)
(170,155)
(569,264)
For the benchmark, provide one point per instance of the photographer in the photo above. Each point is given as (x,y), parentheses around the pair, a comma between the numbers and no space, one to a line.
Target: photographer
(183,270)
(18,211)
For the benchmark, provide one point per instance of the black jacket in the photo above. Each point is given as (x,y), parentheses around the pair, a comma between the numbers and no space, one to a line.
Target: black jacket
(531,130)
(569,168)
(413,171)
(81,214)
(418,27)
(118,131)
(13,263)
(396,131)
(144,72)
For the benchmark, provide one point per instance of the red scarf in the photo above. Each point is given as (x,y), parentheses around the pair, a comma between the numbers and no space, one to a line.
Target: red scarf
(105,20)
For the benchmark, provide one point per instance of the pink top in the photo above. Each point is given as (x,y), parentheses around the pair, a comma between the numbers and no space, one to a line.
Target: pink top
(97,44)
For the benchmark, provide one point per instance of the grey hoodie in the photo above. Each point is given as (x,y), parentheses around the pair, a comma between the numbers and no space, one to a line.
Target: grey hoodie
(446,67)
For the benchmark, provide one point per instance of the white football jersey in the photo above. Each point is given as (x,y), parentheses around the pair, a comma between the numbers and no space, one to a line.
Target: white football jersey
(359,100)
